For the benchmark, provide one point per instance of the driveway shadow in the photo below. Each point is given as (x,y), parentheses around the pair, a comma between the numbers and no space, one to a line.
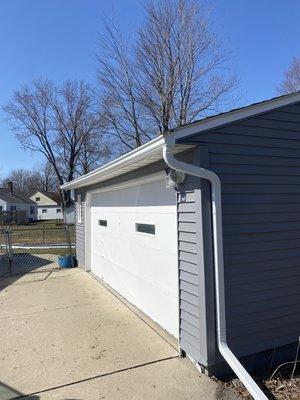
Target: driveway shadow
(23,264)
(9,393)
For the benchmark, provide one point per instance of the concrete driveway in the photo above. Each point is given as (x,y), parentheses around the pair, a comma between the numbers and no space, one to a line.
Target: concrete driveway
(66,336)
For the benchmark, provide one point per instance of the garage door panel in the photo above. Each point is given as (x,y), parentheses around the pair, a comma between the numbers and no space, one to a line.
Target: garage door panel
(163,268)
(121,228)
(159,304)
(141,267)
(147,195)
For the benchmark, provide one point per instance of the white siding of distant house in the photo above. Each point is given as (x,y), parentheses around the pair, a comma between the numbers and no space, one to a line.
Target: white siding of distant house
(3,205)
(23,207)
(70,215)
(43,200)
(51,212)
(19,207)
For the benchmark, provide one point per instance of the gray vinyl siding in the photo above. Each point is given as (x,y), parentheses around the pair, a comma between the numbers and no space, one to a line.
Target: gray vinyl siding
(196,289)
(258,162)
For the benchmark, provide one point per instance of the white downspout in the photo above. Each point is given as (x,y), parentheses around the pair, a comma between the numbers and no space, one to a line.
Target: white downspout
(216,206)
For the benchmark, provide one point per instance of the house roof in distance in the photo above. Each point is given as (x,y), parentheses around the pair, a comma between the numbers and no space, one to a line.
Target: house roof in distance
(152,151)
(15,197)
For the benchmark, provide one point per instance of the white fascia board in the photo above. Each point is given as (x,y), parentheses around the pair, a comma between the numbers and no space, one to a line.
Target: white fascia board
(105,171)
(234,116)
(142,156)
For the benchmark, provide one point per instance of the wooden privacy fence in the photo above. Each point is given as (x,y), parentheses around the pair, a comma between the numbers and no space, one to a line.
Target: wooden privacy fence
(13,218)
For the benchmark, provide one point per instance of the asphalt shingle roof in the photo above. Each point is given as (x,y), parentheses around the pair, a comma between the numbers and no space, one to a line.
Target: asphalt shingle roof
(15,197)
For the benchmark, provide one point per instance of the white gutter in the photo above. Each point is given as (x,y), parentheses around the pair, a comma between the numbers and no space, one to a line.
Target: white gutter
(121,162)
(172,162)
(142,156)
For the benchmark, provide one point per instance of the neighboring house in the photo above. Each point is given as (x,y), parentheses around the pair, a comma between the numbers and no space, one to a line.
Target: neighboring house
(156,245)
(15,207)
(49,206)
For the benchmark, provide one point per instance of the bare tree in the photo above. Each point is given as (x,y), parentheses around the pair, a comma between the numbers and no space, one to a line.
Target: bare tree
(182,66)
(24,180)
(118,90)
(94,152)
(175,72)
(47,179)
(55,121)
(291,81)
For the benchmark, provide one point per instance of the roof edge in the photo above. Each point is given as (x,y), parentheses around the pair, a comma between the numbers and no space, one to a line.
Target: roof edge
(111,169)
(184,132)
(107,169)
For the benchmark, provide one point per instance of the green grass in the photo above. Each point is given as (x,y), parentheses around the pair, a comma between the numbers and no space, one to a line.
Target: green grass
(39,224)
(41,233)
(59,252)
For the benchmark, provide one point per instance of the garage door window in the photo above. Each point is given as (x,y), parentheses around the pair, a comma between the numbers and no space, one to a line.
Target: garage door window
(102,222)
(145,228)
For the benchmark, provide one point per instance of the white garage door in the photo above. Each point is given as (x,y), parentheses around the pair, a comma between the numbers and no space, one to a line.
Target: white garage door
(134,247)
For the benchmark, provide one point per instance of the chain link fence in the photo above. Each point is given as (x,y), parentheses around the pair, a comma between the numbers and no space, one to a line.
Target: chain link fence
(34,248)
(5,263)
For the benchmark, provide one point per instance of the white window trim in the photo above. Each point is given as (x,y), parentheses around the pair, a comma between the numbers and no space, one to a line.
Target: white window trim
(79,208)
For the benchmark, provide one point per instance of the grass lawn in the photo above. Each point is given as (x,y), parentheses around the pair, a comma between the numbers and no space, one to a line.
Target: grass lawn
(39,224)
(41,232)
(58,252)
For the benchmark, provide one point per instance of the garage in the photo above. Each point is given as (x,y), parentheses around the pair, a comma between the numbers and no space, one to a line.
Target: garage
(231,215)
(134,246)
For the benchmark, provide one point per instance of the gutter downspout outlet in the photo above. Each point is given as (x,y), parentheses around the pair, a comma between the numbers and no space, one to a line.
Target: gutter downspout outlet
(216,206)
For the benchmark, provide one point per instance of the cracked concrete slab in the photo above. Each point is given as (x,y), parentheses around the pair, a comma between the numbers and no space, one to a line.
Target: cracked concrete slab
(159,381)
(67,327)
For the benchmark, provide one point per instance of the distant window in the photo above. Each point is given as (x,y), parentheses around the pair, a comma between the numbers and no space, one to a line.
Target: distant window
(13,208)
(37,199)
(1,208)
(58,210)
(79,208)
(102,222)
(32,209)
(145,228)
(44,211)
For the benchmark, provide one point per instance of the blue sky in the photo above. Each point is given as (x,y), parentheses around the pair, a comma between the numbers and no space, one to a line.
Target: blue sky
(58,39)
